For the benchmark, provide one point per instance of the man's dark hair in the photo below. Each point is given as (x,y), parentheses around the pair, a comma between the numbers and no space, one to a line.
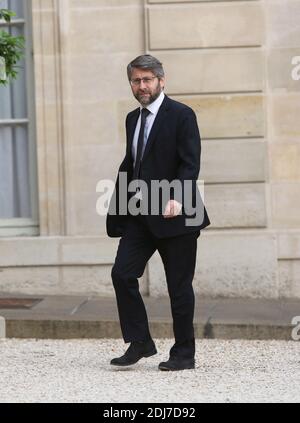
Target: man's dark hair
(146,62)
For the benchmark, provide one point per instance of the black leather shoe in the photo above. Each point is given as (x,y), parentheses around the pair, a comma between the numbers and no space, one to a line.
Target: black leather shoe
(135,352)
(177,364)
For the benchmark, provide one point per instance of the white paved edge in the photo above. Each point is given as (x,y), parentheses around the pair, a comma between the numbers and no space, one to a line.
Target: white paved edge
(2,328)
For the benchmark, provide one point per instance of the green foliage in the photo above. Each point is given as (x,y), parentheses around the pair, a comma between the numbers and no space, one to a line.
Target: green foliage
(11,48)
(6,14)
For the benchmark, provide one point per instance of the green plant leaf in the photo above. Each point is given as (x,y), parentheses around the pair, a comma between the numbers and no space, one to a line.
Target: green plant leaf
(6,14)
(11,48)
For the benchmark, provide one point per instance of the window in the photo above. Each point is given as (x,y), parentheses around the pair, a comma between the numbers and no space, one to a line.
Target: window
(18,203)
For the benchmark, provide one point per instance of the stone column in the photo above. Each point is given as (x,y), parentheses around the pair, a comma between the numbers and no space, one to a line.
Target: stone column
(49,29)
(283,106)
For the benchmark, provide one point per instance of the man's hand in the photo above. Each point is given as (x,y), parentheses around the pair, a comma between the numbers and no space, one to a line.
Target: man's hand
(173,208)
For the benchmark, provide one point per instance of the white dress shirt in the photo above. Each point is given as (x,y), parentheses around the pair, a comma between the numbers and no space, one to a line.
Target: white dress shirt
(153,109)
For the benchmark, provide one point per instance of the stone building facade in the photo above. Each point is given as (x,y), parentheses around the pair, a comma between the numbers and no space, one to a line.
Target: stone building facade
(235,64)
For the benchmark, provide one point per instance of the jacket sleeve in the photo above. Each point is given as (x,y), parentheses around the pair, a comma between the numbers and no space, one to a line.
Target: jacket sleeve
(188,149)
(188,146)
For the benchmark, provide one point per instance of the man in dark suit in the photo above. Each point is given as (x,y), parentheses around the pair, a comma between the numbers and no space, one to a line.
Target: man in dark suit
(163,144)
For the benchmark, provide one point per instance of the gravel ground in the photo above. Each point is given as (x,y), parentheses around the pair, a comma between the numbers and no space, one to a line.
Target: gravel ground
(75,371)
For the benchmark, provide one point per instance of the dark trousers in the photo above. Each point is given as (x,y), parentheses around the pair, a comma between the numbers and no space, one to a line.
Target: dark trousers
(179,258)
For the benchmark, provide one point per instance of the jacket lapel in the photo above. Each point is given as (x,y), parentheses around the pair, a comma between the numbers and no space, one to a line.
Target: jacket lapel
(132,122)
(156,126)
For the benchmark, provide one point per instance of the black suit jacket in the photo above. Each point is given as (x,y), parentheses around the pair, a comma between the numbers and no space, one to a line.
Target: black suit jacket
(172,152)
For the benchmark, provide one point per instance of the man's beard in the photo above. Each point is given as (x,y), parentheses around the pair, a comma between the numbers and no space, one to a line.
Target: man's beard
(145,100)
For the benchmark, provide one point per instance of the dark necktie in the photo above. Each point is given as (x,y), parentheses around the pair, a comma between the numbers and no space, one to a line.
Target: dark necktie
(138,160)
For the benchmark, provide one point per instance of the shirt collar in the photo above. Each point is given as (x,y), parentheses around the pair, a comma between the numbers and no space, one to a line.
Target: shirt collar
(154,107)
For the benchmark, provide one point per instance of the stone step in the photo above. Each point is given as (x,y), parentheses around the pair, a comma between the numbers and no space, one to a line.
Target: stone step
(68,317)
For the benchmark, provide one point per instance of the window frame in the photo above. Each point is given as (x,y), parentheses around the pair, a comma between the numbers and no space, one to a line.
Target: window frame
(26,226)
